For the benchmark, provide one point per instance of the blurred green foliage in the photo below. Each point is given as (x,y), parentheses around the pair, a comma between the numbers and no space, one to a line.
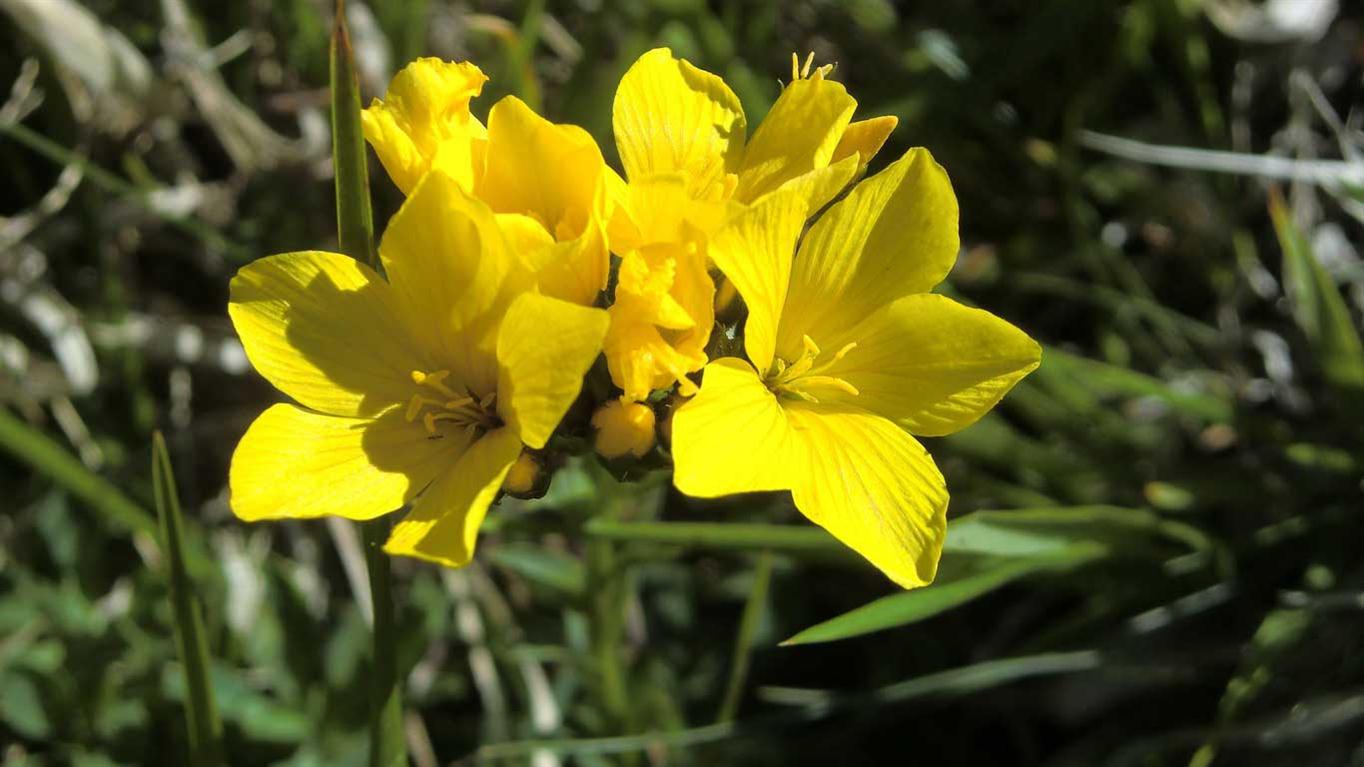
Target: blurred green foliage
(1171,573)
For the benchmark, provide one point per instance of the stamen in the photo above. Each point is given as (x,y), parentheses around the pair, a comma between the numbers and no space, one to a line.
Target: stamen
(831,382)
(415,405)
(797,378)
(805,70)
(456,404)
(435,380)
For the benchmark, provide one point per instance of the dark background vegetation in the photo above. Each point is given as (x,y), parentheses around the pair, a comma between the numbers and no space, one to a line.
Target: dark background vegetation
(1201,384)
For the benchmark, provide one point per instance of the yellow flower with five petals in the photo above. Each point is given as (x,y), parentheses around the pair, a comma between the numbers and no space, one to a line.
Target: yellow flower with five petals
(848,356)
(418,389)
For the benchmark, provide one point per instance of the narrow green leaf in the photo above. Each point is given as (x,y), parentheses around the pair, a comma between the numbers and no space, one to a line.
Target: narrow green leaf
(387,747)
(1317,306)
(201,712)
(1012,544)
(963,680)
(354,219)
(743,641)
(1094,376)
(908,607)
(790,539)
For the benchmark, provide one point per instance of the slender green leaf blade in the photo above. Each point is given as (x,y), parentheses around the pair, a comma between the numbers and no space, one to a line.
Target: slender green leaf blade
(1318,306)
(354,219)
(201,712)
(908,607)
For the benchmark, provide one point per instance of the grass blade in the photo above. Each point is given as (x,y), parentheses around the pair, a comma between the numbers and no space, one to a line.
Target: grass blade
(743,641)
(354,218)
(201,713)
(908,607)
(1318,306)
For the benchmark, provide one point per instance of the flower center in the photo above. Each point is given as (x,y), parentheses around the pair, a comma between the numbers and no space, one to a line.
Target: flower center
(473,414)
(797,379)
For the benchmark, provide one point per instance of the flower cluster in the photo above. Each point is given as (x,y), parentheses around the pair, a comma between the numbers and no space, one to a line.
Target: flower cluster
(519,257)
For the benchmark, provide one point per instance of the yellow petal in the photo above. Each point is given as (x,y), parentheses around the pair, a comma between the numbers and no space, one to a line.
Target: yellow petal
(873,487)
(576,270)
(754,252)
(797,136)
(893,235)
(661,319)
(448,262)
(294,463)
(324,330)
(427,106)
(640,358)
(443,524)
(821,185)
(933,365)
(865,138)
(670,117)
(733,437)
(552,173)
(544,349)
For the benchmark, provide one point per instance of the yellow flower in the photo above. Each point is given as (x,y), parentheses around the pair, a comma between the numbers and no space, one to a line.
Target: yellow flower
(672,117)
(850,355)
(418,389)
(681,135)
(547,182)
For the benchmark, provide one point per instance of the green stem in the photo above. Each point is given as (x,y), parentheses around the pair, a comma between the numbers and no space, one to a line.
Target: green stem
(743,642)
(355,232)
(605,586)
(387,747)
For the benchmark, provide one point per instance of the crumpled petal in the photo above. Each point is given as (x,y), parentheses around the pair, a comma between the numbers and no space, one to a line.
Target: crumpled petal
(425,109)
(661,319)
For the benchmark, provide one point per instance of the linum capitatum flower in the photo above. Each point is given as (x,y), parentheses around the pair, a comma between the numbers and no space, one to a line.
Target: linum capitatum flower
(418,389)
(848,356)
(547,183)
(681,134)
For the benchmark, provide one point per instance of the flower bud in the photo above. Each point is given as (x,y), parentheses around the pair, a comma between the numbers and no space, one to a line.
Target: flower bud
(623,428)
(523,478)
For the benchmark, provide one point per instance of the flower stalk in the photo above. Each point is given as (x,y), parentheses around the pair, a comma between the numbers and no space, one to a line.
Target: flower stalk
(355,233)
